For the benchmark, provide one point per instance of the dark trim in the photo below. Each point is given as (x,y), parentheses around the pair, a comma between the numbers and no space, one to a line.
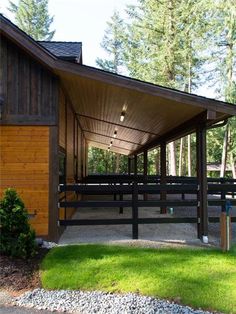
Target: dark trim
(27,123)
(202,210)
(180,131)
(113,123)
(53,231)
(111,137)
(127,221)
(93,141)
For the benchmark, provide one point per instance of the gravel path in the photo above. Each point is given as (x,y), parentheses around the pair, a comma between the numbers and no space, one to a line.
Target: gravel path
(99,302)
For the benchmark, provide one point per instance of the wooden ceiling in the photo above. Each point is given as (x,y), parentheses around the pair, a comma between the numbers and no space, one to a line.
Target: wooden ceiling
(153,113)
(99,104)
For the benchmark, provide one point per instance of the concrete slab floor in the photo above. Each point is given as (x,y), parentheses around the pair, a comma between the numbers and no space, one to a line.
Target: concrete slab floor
(165,233)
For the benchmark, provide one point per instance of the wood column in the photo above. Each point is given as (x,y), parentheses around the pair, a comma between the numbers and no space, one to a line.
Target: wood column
(145,170)
(163,175)
(202,211)
(135,200)
(135,165)
(53,184)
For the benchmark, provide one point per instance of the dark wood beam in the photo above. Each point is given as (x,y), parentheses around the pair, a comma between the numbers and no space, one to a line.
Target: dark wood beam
(180,131)
(135,165)
(145,170)
(163,174)
(112,138)
(116,124)
(202,210)
(107,144)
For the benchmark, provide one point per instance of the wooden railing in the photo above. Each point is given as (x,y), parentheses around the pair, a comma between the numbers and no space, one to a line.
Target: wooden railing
(140,185)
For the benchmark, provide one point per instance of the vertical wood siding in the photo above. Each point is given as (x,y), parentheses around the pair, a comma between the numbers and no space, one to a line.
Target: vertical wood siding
(28,89)
(24,165)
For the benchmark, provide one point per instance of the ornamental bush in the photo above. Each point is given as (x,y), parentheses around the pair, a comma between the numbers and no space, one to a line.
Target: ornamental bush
(17,239)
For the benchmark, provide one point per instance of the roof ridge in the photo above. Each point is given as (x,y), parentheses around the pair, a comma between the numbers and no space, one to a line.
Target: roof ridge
(61,42)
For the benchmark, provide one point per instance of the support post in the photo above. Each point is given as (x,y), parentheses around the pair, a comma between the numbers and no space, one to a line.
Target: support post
(135,210)
(121,199)
(145,171)
(135,165)
(163,175)
(202,211)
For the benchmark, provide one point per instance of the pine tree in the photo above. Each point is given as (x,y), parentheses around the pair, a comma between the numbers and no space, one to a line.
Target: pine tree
(113,44)
(33,18)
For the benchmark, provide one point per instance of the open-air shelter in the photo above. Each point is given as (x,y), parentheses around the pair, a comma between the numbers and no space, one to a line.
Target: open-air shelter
(53,107)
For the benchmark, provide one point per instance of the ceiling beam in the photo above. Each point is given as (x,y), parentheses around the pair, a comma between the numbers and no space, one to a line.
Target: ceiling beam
(174,134)
(116,124)
(122,148)
(112,138)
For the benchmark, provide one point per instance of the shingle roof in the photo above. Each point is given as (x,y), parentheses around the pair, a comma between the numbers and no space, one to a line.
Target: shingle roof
(64,50)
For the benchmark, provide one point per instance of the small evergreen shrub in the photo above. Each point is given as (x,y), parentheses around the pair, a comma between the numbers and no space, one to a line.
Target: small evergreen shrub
(17,239)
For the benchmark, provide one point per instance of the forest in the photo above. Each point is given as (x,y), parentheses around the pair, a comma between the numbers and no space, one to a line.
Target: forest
(188,45)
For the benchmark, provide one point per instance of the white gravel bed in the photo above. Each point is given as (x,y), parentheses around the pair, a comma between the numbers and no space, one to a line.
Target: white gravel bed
(71,301)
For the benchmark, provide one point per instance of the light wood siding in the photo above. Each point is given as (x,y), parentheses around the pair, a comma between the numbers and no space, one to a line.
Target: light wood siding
(24,165)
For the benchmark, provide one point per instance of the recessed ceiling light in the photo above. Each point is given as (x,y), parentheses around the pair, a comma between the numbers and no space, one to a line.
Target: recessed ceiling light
(122,116)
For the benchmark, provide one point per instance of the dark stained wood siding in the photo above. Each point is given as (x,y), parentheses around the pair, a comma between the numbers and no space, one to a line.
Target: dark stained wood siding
(29,90)
(62,120)
(70,140)
(70,145)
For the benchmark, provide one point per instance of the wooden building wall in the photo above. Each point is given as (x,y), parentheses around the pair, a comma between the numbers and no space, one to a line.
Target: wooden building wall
(70,144)
(38,121)
(28,135)
(24,165)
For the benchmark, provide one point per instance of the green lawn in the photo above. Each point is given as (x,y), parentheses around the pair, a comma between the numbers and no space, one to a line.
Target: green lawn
(203,278)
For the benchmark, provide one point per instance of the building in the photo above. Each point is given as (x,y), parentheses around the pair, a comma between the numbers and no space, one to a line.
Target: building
(52,107)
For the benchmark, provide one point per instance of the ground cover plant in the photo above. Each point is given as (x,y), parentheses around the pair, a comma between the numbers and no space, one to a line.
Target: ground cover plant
(203,278)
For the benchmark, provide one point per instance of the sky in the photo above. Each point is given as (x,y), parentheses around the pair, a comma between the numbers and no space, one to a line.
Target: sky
(80,20)
(85,21)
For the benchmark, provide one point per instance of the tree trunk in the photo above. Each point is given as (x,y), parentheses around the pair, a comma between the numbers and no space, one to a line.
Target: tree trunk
(172,160)
(233,166)
(181,156)
(224,152)
(189,156)
(117,170)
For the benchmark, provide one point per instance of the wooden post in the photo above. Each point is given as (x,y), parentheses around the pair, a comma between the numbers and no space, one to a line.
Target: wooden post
(163,175)
(145,171)
(202,211)
(121,199)
(225,231)
(135,210)
(135,165)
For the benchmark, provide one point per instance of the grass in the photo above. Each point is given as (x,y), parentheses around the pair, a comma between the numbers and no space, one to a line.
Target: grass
(203,278)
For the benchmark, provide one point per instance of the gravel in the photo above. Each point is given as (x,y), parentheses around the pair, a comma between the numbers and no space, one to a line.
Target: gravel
(71,301)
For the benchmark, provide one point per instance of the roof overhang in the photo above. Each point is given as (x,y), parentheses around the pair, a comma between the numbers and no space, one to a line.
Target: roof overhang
(153,114)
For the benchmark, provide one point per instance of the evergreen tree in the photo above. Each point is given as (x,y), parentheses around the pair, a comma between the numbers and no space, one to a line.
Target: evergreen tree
(113,44)
(33,18)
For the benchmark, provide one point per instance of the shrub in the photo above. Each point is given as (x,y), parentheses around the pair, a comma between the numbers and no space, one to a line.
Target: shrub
(17,239)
